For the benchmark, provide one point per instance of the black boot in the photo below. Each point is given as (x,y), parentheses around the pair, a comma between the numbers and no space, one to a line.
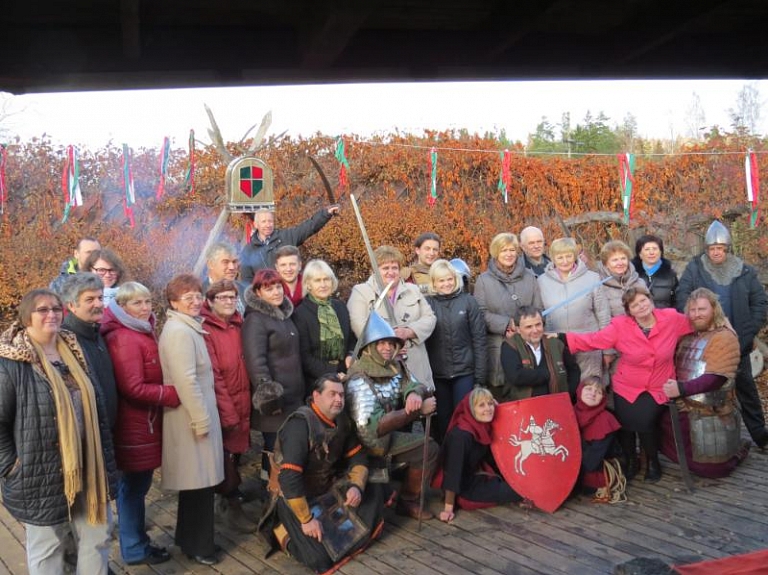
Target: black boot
(631,467)
(652,468)
(630,463)
(649,442)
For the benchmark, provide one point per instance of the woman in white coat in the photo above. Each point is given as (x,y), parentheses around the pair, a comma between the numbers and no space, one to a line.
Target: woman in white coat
(193,452)
(414,319)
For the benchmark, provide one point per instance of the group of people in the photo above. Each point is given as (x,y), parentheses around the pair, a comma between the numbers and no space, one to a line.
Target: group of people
(95,401)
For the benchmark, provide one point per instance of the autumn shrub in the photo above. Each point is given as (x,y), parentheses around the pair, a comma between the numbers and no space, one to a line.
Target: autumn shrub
(675,196)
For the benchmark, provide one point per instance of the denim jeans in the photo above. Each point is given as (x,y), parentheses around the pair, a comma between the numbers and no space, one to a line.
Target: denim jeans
(45,544)
(131,491)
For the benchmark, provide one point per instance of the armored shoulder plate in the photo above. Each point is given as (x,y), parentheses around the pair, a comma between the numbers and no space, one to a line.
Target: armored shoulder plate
(364,397)
(690,364)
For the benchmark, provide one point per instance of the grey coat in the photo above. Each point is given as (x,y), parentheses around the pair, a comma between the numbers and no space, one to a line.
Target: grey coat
(411,310)
(193,451)
(587,313)
(499,296)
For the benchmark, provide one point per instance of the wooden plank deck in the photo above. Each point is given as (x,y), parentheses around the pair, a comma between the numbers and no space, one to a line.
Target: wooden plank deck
(723,517)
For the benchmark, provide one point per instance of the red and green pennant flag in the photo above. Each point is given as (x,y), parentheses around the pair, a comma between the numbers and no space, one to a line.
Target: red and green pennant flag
(70,182)
(3,184)
(626,181)
(504,177)
(165,154)
(433,179)
(189,177)
(130,196)
(753,186)
(341,157)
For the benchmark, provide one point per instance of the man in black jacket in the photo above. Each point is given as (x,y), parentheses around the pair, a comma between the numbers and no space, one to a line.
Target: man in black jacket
(745,304)
(260,252)
(82,294)
(535,365)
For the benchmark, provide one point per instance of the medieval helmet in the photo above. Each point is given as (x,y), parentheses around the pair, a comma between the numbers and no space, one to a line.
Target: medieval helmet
(717,234)
(461,266)
(376,329)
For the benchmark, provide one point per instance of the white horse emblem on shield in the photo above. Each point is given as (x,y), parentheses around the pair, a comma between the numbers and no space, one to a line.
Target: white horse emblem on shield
(541,442)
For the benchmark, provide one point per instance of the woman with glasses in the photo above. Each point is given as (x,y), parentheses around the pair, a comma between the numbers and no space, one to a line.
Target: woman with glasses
(223,323)
(128,327)
(109,267)
(56,457)
(272,356)
(193,453)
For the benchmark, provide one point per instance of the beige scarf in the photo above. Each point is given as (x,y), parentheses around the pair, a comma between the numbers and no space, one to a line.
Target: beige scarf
(80,460)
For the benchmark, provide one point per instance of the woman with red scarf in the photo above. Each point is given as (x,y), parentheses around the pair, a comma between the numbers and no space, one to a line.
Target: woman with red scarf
(597,426)
(467,473)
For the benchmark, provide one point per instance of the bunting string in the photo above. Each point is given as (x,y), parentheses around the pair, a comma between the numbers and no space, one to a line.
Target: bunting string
(626,181)
(189,178)
(341,156)
(165,154)
(505,177)
(752,177)
(70,182)
(130,197)
(433,179)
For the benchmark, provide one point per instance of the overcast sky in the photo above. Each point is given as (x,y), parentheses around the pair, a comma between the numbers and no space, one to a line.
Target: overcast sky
(143,118)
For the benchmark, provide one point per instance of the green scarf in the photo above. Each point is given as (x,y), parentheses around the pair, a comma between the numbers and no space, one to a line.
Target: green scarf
(331,336)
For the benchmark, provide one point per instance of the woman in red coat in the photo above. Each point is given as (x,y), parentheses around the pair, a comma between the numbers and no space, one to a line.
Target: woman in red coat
(222,324)
(128,328)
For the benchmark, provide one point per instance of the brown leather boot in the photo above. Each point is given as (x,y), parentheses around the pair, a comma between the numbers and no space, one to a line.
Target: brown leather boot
(408,503)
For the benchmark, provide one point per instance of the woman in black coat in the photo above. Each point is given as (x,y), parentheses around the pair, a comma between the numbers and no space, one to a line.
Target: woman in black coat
(272,355)
(655,270)
(457,347)
(326,339)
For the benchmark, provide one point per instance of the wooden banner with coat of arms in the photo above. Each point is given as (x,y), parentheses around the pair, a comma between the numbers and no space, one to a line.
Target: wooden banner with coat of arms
(537,446)
(249,185)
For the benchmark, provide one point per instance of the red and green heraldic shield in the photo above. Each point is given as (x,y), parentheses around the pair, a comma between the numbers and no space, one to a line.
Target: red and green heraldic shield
(537,446)
(251,180)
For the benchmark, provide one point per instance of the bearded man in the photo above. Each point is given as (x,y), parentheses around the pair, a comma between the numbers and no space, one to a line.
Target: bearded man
(706,363)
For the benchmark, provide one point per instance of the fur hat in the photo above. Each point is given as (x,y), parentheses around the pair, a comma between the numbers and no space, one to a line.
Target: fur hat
(268,397)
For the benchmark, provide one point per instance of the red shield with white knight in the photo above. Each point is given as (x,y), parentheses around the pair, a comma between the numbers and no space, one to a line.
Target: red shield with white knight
(537,446)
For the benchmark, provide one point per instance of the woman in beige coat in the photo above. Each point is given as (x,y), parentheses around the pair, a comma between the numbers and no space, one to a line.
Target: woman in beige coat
(414,319)
(193,453)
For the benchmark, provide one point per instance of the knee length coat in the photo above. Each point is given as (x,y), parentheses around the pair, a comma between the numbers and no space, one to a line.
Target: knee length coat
(411,310)
(272,353)
(193,451)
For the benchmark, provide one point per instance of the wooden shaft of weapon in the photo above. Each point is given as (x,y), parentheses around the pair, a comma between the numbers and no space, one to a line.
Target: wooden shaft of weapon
(677,433)
(213,234)
(372,257)
(424,456)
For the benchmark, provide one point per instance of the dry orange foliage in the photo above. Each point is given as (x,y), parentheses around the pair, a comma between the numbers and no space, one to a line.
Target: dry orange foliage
(391,178)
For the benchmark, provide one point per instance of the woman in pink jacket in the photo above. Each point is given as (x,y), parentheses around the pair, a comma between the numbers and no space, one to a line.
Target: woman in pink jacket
(646,339)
